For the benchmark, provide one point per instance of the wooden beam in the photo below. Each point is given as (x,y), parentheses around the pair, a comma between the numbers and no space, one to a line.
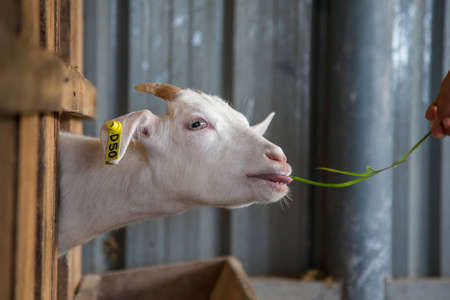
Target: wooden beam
(64,34)
(8,184)
(46,260)
(80,96)
(76,34)
(69,266)
(79,92)
(30,25)
(50,84)
(25,235)
(49,22)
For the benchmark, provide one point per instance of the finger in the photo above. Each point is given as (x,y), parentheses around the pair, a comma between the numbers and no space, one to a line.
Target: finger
(431,112)
(446,126)
(436,130)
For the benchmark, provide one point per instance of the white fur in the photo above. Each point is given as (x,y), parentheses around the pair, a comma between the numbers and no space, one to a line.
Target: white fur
(166,169)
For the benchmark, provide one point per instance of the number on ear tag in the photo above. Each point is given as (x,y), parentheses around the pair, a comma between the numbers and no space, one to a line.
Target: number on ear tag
(114,137)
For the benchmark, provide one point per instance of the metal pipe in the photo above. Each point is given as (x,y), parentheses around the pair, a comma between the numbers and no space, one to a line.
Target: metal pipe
(359,132)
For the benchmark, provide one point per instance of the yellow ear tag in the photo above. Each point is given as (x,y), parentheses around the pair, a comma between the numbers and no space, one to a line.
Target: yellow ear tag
(114,137)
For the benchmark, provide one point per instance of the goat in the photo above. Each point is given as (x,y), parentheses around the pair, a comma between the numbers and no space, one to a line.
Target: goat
(203,152)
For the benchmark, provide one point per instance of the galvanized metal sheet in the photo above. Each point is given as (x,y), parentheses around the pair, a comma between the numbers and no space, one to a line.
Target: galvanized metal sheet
(371,79)
(276,288)
(271,62)
(418,289)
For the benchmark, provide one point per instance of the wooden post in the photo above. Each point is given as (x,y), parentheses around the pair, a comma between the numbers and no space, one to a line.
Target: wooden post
(29,130)
(72,51)
(8,183)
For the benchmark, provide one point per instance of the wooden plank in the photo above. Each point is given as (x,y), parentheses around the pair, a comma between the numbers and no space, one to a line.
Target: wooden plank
(10,16)
(25,261)
(69,274)
(46,260)
(74,20)
(275,288)
(75,269)
(71,124)
(30,26)
(80,96)
(63,288)
(233,283)
(64,32)
(417,288)
(46,246)
(51,85)
(48,36)
(76,34)
(69,266)
(89,287)
(39,71)
(8,184)
(191,280)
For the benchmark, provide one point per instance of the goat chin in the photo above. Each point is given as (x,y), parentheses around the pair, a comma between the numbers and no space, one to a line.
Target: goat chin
(202,152)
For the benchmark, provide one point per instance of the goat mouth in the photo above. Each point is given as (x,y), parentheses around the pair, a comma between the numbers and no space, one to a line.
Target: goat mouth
(274,178)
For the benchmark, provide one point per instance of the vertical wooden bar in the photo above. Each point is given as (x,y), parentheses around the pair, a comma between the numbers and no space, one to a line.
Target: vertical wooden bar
(50,19)
(47,193)
(76,34)
(25,258)
(46,260)
(29,27)
(69,266)
(26,201)
(76,124)
(63,29)
(70,49)
(8,184)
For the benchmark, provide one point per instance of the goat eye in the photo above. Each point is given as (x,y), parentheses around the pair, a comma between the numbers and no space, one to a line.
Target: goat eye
(197,124)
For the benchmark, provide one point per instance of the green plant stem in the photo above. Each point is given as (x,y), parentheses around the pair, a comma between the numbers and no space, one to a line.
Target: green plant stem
(363,176)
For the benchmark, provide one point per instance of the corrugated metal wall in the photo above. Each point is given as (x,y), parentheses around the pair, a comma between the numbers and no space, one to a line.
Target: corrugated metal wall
(278,56)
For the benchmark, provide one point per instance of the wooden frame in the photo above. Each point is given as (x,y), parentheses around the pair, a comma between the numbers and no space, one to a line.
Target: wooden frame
(42,90)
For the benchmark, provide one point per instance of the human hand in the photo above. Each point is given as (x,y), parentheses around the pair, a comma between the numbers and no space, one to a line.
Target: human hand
(439,111)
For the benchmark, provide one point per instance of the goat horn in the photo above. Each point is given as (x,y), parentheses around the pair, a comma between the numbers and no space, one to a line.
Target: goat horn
(162,90)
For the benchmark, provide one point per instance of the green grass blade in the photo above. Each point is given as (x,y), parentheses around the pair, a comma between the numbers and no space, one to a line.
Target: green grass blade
(331,185)
(363,176)
(344,172)
(412,149)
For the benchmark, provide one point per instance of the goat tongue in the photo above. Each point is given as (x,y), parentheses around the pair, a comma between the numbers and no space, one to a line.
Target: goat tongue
(275,178)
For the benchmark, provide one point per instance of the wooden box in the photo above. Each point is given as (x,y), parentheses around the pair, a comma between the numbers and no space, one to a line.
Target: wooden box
(216,279)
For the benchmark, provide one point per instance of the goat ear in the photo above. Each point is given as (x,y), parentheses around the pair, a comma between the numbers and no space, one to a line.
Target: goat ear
(134,125)
(263,125)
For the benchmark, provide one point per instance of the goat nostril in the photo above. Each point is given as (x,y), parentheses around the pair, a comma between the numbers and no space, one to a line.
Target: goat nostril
(276,157)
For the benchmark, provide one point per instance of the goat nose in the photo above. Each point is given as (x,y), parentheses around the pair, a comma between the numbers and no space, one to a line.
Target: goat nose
(276,156)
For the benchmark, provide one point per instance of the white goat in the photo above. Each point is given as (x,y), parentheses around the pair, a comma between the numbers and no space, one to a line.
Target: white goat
(202,152)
